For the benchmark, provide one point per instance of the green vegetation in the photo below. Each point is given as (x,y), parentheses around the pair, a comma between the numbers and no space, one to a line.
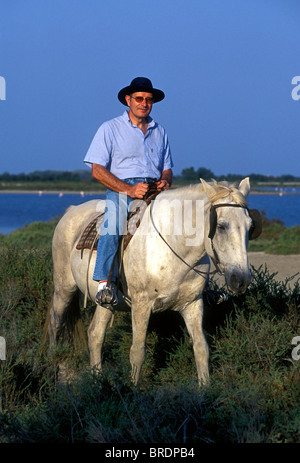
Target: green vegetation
(50,180)
(81,180)
(192,175)
(253,395)
(33,235)
(276,238)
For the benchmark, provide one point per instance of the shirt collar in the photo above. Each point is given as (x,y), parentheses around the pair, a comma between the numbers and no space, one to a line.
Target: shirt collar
(151,122)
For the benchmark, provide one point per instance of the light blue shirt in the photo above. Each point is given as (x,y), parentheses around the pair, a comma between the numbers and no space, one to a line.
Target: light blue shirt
(123,149)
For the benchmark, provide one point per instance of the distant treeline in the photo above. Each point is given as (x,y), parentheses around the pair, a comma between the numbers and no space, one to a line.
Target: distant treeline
(47,176)
(191,175)
(188,175)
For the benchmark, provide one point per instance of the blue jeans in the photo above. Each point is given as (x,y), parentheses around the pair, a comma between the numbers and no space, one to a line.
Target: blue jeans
(112,229)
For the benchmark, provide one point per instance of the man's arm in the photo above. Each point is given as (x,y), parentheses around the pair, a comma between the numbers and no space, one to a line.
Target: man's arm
(112,182)
(165,180)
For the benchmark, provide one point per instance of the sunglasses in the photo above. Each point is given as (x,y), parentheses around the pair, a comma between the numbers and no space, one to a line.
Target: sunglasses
(140,99)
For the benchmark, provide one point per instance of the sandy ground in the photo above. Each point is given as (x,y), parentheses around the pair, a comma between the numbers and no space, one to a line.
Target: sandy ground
(284,265)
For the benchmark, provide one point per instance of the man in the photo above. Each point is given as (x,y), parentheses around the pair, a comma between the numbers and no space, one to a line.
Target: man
(126,154)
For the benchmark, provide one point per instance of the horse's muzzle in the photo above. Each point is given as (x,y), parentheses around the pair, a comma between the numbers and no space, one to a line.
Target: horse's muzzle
(237,280)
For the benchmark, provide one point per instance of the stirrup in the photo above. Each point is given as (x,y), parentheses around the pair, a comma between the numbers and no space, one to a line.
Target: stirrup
(107,297)
(211,297)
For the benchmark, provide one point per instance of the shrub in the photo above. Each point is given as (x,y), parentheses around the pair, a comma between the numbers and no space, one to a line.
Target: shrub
(253,395)
(276,238)
(35,235)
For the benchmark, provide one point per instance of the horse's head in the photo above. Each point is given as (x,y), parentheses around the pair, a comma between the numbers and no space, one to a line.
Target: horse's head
(230,225)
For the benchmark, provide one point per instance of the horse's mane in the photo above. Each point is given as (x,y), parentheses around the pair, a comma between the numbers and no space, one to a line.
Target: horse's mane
(222,190)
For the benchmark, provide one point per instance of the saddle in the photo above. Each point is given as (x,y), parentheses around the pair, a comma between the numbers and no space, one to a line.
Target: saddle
(90,236)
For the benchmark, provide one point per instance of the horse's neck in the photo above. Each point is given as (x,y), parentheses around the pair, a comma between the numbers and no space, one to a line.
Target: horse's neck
(179,216)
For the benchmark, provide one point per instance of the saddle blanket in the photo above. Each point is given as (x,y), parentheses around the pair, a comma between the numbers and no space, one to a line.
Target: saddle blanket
(90,236)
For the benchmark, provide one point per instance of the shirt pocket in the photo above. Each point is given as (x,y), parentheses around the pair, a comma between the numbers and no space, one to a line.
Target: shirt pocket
(156,154)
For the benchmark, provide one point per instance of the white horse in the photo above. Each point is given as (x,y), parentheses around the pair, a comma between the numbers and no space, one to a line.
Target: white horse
(165,266)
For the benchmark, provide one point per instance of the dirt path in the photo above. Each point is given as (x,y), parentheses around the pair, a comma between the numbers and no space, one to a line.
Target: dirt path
(285,265)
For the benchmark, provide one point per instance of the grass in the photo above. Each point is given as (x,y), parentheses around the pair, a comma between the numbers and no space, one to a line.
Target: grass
(34,235)
(253,395)
(276,238)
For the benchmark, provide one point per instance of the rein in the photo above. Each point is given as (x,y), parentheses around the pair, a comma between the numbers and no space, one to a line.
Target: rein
(215,259)
(203,274)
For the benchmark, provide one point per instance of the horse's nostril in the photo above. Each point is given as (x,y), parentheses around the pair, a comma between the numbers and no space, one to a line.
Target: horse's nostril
(234,280)
(238,282)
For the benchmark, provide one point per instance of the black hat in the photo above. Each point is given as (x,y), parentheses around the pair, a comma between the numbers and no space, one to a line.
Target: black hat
(140,84)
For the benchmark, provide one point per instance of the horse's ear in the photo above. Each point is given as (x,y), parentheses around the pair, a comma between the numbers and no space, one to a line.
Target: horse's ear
(208,189)
(244,187)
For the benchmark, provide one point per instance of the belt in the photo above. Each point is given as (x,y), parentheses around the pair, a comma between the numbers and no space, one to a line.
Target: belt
(142,179)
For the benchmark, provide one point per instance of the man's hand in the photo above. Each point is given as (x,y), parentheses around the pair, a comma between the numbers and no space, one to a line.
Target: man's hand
(165,180)
(138,190)
(163,185)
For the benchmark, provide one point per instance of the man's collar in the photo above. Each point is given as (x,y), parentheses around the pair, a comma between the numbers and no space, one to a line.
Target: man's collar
(150,121)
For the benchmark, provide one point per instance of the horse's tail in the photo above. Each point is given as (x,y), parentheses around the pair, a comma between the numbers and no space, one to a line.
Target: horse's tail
(72,323)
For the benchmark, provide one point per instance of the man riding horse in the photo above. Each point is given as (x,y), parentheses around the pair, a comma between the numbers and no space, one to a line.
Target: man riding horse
(127,154)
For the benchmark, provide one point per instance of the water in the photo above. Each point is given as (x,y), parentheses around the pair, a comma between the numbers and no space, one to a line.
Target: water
(278,204)
(285,207)
(19,209)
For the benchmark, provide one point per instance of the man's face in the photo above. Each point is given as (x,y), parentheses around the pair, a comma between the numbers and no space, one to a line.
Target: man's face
(140,109)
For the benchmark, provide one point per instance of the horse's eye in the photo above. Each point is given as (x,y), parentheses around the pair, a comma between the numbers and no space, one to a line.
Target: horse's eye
(221,226)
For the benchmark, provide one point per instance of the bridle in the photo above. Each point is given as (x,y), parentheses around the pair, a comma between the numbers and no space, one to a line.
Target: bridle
(213,225)
(203,274)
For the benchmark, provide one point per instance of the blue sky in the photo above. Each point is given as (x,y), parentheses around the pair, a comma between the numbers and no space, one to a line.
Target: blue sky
(226,67)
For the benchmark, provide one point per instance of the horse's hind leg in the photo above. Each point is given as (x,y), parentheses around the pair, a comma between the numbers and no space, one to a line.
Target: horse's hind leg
(96,335)
(61,302)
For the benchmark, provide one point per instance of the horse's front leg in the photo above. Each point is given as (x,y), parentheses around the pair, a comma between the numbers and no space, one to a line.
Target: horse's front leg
(193,315)
(96,335)
(140,320)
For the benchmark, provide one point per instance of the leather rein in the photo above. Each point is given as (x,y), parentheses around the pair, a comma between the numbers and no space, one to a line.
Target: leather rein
(215,259)
(203,274)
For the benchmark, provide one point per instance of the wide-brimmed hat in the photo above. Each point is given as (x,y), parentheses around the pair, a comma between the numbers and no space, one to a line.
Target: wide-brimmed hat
(140,84)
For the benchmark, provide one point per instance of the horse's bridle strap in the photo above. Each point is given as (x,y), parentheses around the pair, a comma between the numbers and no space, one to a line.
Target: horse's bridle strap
(228,205)
(215,259)
(203,274)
